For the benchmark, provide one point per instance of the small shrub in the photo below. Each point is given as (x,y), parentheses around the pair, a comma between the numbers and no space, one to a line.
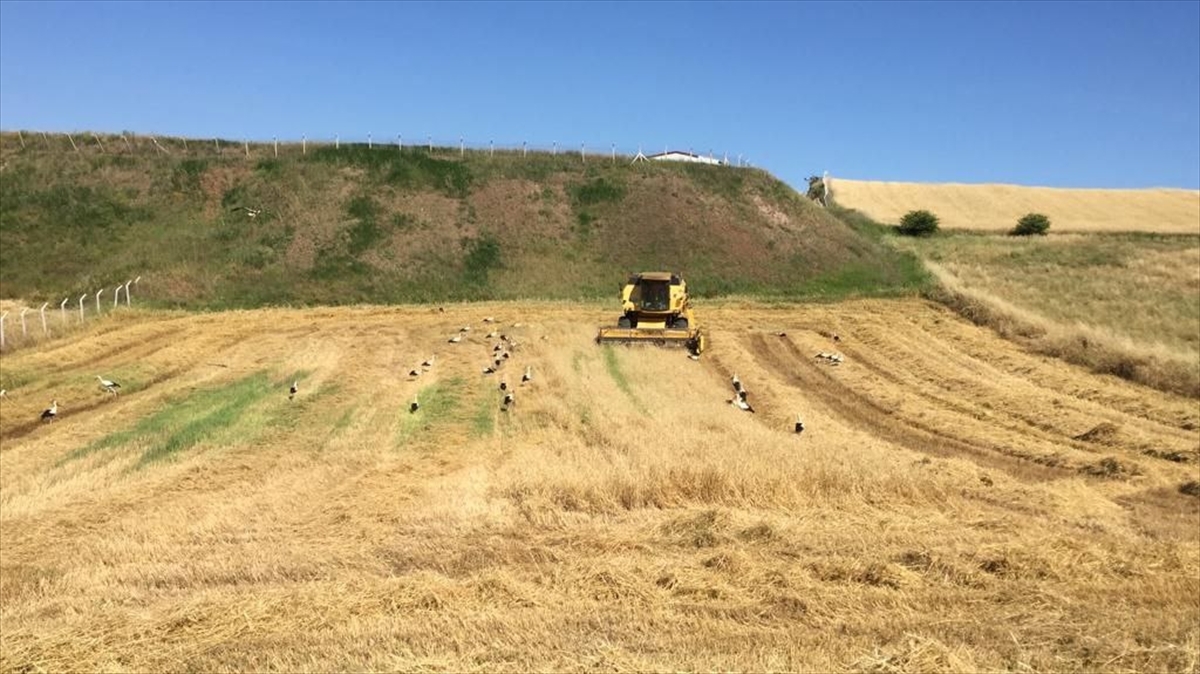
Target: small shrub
(1031,224)
(482,255)
(918,223)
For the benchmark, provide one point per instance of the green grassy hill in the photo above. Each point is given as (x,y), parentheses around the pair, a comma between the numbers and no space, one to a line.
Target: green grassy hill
(354,224)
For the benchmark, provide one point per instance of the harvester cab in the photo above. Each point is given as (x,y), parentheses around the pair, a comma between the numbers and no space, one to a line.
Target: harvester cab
(656,309)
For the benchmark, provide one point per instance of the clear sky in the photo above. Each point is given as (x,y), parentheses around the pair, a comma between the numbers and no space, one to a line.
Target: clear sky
(1071,94)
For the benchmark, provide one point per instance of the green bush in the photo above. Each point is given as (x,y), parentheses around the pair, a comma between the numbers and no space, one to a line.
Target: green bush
(918,223)
(1031,223)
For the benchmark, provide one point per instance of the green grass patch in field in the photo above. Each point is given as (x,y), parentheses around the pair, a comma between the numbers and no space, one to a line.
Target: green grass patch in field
(221,415)
(484,421)
(439,402)
(612,363)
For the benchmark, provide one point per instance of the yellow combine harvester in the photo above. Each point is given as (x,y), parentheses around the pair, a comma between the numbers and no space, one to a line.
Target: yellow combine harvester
(657,311)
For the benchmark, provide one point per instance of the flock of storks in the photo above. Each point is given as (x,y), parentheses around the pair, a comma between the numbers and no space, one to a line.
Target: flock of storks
(500,354)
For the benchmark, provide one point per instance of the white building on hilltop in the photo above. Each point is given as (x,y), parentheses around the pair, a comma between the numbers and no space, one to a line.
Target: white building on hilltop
(679,155)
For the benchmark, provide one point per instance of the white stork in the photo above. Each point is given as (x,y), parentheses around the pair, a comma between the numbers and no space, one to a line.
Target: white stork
(108,385)
(428,363)
(292,391)
(509,401)
(414,373)
(503,384)
(737,383)
(799,425)
(456,339)
(416,405)
(50,413)
(528,376)
(742,405)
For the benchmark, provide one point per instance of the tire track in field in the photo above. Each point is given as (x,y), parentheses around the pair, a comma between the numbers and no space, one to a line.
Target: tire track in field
(986,406)
(859,410)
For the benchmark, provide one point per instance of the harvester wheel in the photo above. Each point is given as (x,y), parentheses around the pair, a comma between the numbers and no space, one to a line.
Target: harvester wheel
(680,323)
(624,322)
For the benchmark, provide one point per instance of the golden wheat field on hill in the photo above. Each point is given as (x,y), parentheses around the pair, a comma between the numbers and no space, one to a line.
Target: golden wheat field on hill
(992,207)
(953,504)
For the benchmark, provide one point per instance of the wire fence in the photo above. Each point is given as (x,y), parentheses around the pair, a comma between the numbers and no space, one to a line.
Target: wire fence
(48,321)
(128,143)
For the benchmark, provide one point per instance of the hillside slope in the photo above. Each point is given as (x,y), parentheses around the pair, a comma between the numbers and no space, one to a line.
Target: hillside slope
(352,224)
(998,207)
(955,504)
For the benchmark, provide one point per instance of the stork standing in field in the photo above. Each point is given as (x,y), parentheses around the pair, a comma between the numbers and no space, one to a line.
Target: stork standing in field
(292,391)
(416,405)
(414,373)
(799,425)
(737,383)
(528,376)
(428,363)
(50,413)
(108,385)
(509,401)
(503,384)
(456,339)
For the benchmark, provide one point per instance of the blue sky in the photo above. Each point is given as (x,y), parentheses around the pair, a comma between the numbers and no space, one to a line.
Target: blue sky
(1069,94)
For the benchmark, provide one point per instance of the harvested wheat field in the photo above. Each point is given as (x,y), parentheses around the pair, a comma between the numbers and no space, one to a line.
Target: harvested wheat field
(954,503)
(998,207)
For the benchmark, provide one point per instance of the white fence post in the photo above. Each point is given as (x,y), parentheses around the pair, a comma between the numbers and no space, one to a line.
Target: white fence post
(81,299)
(303,144)
(337,142)
(63,309)
(98,142)
(98,293)
(523,149)
(24,332)
(582,153)
(462,149)
(555,150)
(22,139)
(2,317)
(614,153)
(399,143)
(117,296)
(45,330)
(127,292)
(369,141)
(491,149)
(246,143)
(73,145)
(429,139)
(275,142)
